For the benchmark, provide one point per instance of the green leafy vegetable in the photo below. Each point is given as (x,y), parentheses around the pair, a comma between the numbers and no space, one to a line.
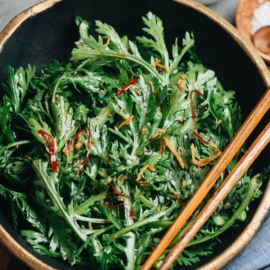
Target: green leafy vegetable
(99,155)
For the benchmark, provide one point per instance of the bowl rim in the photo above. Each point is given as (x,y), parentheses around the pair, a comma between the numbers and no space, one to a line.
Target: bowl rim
(264,206)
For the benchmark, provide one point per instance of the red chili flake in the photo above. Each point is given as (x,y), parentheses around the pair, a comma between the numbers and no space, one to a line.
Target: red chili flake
(89,145)
(200,138)
(177,198)
(126,87)
(112,190)
(112,207)
(124,195)
(162,146)
(193,112)
(131,213)
(49,140)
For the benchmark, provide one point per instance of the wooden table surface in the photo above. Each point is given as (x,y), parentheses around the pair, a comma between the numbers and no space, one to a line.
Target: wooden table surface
(10,262)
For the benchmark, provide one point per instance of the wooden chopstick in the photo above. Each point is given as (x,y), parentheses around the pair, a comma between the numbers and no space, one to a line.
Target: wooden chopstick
(236,143)
(231,180)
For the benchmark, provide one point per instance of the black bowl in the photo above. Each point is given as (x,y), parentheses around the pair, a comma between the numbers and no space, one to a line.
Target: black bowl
(48,31)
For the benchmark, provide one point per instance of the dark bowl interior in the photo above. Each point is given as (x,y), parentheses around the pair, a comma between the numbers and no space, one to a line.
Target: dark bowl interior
(51,35)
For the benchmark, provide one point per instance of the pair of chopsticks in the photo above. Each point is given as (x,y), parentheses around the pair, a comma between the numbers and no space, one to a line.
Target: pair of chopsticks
(255,149)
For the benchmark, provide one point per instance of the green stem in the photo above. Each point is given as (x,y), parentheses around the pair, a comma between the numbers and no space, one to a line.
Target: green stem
(159,224)
(84,207)
(56,86)
(15,144)
(49,183)
(140,223)
(131,241)
(92,220)
(145,201)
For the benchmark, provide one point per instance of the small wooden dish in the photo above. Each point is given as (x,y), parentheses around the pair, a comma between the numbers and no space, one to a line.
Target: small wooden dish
(243,19)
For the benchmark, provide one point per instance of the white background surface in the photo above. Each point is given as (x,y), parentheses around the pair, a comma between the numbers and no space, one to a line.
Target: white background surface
(10,8)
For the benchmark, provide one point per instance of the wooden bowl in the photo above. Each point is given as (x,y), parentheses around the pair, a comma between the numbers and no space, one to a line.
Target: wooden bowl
(244,15)
(47,31)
